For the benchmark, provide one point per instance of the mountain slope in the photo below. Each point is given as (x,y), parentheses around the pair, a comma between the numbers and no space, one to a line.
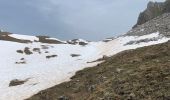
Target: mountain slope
(37,66)
(141,74)
(30,64)
(130,75)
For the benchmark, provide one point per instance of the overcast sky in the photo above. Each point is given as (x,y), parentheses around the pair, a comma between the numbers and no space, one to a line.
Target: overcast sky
(68,19)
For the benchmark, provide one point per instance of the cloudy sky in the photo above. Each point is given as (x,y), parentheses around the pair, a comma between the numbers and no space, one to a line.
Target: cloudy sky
(68,19)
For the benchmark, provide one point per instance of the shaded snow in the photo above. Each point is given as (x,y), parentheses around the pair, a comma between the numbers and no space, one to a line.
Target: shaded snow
(44,73)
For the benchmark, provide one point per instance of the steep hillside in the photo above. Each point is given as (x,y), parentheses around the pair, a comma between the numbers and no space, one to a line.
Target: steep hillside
(141,74)
(153,10)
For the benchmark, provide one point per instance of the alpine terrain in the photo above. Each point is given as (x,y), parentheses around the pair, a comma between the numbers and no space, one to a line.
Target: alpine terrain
(133,66)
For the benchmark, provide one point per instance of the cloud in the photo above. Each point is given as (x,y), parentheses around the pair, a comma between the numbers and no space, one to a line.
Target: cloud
(70,18)
(88,16)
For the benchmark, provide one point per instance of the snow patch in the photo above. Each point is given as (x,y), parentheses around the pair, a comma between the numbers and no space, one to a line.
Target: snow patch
(24,37)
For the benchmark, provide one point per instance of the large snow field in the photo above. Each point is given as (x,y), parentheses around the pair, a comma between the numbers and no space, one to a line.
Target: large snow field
(41,72)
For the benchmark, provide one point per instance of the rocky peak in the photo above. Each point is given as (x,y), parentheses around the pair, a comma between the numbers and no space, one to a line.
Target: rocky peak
(153,10)
(151,4)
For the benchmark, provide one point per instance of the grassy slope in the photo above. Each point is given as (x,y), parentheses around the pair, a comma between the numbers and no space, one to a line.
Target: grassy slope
(141,74)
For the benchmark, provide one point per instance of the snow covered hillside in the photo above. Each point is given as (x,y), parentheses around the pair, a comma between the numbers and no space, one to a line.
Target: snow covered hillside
(30,64)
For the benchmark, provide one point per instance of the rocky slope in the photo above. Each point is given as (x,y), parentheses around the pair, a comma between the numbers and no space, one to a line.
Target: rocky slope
(159,24)
(153,10)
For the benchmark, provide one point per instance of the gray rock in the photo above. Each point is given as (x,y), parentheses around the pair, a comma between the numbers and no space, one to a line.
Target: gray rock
(16,82)
(153,10)
(63,98)
(159,24)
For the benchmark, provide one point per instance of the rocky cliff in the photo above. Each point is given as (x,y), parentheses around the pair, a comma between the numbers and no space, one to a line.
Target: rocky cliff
(153,10)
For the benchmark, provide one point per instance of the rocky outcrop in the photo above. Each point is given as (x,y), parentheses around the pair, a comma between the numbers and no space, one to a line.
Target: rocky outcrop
(6,37)
(78,41)
(166,6)
(47,39)
(153,10)
(159,24)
